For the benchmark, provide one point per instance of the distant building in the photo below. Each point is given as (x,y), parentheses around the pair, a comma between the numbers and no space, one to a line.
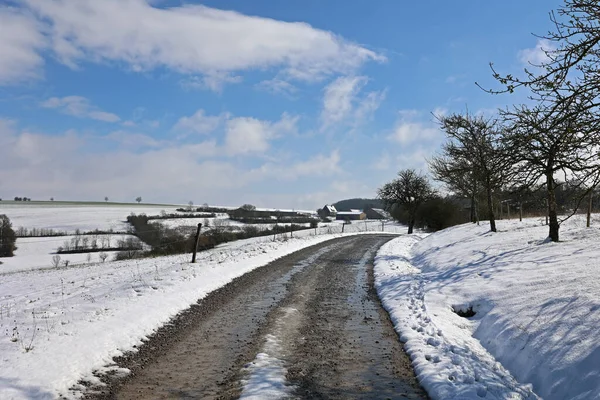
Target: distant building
(328,211)
(352,215)
(377,213)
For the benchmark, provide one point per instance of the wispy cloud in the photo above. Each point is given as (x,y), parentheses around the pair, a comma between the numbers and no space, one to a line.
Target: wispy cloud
(342,104)
(81,107)
(190,39)
(413,126)
(20,46)
(199,123)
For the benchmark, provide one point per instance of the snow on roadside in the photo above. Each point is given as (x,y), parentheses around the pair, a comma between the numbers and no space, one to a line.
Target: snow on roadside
(59,325)
(536,304)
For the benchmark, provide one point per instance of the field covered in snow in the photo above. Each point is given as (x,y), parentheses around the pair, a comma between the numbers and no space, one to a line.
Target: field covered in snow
(59,325)
(70,217)
(537,305)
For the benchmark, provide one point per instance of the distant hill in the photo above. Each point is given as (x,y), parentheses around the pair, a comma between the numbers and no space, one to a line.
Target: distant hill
(357,204)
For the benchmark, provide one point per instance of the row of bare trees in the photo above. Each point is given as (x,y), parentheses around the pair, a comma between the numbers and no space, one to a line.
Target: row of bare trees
(553,140)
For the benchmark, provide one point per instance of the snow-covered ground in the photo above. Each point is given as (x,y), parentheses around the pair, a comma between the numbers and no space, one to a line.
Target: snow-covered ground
(71,217)
(537,304)
(37,252)
(59,325)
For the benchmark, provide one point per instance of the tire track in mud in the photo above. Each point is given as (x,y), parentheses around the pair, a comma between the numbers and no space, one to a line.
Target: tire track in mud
(306,326)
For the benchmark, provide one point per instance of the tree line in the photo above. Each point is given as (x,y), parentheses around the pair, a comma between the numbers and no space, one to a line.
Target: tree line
(550,145)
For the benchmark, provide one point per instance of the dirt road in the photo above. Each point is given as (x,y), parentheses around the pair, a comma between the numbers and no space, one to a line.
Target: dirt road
(307,326)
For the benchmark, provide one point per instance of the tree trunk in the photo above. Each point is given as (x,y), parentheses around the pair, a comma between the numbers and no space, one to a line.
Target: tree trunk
(552,214)
(473,212)
(411,224)
(490,205)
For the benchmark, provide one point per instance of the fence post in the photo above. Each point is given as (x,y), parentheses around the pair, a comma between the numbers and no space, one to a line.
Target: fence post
(196,243)
(589,211)
(520,211)
(343,225)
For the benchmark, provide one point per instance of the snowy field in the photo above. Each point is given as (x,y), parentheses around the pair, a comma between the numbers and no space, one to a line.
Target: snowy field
(37,253)
(537,305)
(60,325)
(71,217)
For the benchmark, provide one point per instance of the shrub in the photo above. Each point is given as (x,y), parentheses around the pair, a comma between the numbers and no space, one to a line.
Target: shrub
(8,239)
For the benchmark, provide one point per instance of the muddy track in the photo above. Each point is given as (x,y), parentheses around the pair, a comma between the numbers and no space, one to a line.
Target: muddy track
(307,326)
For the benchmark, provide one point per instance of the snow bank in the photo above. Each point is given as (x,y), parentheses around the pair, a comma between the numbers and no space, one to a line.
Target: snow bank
(536,303)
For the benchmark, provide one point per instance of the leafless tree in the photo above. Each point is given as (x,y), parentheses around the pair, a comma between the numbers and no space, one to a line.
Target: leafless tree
(55,261)
(409,190)
(555,139)
(472,159)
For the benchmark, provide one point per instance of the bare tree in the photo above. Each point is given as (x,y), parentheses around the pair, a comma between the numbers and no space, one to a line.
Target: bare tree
(138,199)
(106,198)
(551,140)
(409,190)
(472,158)
(55,261)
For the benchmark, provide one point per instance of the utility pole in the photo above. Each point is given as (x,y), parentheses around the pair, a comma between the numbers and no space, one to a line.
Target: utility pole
(196,243)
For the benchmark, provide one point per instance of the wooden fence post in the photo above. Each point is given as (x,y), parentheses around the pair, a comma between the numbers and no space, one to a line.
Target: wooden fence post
(196,243)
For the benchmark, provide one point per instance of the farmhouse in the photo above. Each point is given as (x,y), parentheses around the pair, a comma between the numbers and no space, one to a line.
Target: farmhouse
(377,213)
(327,211)
(352,215)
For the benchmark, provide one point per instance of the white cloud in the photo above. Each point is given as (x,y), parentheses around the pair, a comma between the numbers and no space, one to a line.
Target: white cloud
(200,123)
(192,39)
(20,44)
(382,162)
(319,165)
(537,55)
(342,105)
(40,166)
(133,140)
(410,128)
(79,107)
(278,86)
(214,81)
(245,135)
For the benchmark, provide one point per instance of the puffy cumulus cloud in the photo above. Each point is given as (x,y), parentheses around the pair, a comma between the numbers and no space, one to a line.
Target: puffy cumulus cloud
(538,54)
(21,41)
(246,135)
(79,107)
(191,39)
(342,104)
(412,127)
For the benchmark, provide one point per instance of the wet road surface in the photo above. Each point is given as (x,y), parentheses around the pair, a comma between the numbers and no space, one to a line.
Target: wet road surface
(306,326)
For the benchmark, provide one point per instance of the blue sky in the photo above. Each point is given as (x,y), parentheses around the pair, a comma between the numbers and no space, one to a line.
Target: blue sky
(286,104)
